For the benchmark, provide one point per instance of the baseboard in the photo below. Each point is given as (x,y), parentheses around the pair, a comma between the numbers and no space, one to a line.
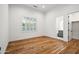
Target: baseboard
(27,39)
(76,38)
(58,38)
(37,37)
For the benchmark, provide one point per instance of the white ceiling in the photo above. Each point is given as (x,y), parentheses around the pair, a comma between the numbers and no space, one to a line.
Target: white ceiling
(48,7)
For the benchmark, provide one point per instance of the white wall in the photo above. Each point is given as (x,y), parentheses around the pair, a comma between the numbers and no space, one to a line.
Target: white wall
(16,14)
(51,18)
(3,27)
(74,16)
(59,23)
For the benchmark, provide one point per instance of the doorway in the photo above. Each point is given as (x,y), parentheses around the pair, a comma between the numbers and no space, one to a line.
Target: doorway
(73,26)
(75,30)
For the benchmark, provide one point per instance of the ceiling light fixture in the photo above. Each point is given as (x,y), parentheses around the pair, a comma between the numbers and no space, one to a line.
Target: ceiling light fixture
(43,6)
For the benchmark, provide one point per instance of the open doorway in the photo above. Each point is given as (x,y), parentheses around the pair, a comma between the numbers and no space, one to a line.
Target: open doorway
(75,29)
(74,25)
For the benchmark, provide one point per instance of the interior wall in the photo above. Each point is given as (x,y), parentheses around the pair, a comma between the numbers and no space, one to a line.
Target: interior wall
(59,23)
(74,16)
(16,14)
(3,27)
(51,19)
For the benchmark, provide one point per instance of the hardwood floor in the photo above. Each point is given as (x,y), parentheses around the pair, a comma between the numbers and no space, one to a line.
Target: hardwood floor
(72,47)
(42,45)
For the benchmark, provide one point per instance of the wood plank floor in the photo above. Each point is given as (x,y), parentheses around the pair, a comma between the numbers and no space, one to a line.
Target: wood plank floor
(42,45)
(72,47)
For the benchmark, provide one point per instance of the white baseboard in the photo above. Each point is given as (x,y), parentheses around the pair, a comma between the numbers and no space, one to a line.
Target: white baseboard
(57,38)
(76,38)
(26,38)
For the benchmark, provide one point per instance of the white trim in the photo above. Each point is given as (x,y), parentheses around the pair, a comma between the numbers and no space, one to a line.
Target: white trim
(58,38)
(76,38)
